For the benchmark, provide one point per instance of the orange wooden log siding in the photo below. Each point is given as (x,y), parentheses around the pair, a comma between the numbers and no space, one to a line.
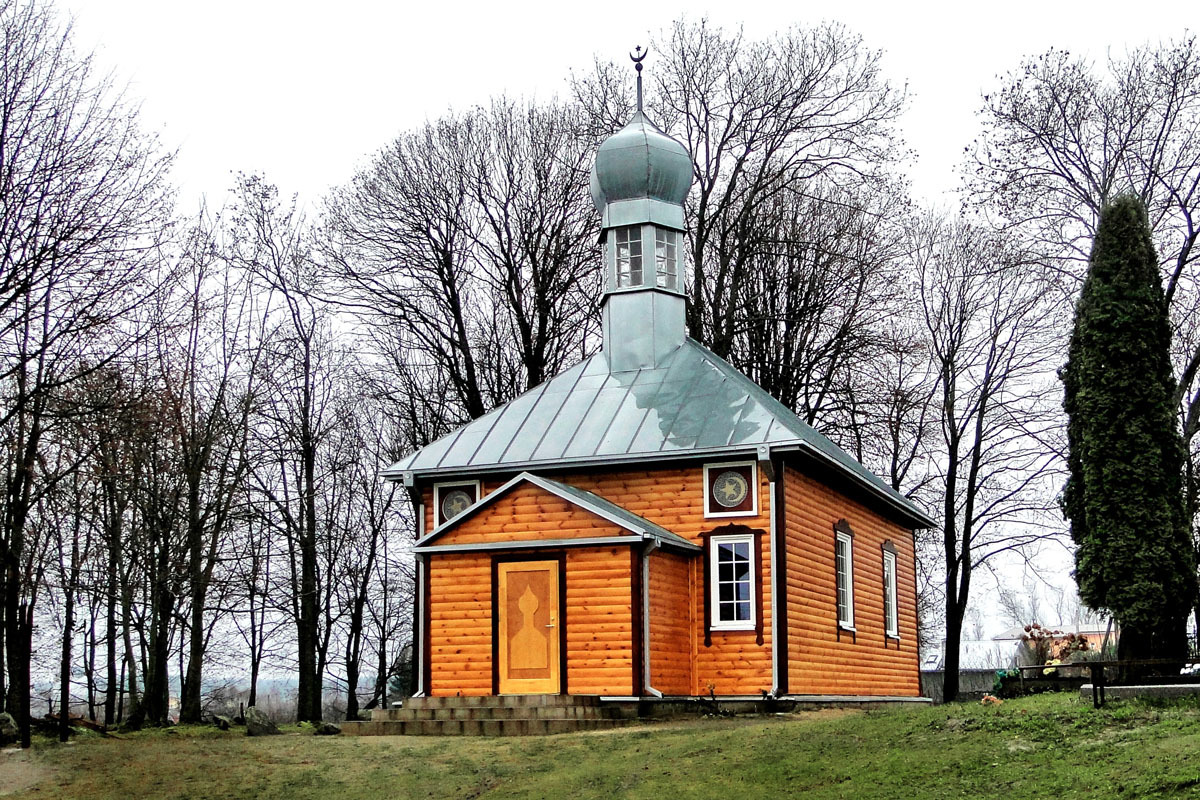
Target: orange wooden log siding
(672,624)
(598,585)
(866,663)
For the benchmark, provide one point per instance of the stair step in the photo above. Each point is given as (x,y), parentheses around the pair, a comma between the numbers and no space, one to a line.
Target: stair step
(477,727)
(467,713)
(503,701)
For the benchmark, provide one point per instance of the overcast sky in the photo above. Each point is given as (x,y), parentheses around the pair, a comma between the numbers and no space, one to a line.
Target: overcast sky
(304,92)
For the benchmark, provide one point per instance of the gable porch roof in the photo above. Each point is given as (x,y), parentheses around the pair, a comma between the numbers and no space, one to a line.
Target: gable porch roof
(639,528)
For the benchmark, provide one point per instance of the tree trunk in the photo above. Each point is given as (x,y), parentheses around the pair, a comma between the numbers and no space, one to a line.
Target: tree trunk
(189,700)
(89,668)
(3,608)
(112,682)
(157,697)
(309,699)
(953,641)
(64,682)
(137,712)
(353,649)
(120,699)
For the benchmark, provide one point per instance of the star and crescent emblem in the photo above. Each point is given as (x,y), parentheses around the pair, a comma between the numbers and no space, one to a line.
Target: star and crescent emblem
(730,489)
(455,503)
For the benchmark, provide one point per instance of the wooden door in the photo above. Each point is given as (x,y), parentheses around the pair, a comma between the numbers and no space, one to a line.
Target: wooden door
(528,627)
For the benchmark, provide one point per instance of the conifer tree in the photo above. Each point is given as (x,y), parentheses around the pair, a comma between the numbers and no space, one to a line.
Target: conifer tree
(1124,497)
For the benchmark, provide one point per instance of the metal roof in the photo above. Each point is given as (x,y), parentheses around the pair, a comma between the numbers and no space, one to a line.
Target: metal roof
(693,404)
(597,505)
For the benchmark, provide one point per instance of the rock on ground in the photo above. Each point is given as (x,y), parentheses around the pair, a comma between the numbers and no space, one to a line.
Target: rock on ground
(258,724)
(8,729)
(327,729)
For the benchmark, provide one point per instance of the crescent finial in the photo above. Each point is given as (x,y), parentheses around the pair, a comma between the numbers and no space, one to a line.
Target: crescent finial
(637,56)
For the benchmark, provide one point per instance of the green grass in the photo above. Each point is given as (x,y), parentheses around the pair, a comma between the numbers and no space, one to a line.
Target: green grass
(1049,746)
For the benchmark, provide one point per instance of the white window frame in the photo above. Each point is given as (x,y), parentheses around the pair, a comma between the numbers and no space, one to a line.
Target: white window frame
(843,538)
(636,236)
(666,270)
(438,488)
(891,612)
(716,623)
(719,513)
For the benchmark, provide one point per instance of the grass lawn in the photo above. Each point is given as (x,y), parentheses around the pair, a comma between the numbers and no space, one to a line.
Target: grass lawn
(1049,746)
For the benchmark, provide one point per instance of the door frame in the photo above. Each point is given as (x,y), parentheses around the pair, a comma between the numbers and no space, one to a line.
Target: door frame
(561,557)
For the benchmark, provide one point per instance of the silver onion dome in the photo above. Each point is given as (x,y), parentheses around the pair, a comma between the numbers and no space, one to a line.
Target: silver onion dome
(640,161)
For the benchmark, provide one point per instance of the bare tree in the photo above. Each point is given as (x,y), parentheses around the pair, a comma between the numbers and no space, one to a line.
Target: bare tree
(990,325)
(296,416)
(83,193)
(209,360)
(471,245)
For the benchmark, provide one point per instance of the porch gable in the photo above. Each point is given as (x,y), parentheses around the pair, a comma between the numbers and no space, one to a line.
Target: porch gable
(532,511)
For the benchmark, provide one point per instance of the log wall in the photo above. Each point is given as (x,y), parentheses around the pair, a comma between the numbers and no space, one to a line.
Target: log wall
(460,624)
(822,659)
(601,618)
(599,623)
(734,663)
(672,624)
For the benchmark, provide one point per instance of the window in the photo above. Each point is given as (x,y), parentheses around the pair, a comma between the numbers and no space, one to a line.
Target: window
(666,258)
(629,256)
(891,622)
(845,576)
(732,571)
(451,499)
(730,489)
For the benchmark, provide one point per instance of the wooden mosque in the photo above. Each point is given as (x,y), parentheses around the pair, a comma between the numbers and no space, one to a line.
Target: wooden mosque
(650,523)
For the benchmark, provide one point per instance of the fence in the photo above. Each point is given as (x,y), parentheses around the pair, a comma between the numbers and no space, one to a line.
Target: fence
(972,683)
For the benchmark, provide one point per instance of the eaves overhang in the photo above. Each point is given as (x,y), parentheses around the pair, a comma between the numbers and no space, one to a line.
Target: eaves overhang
(906,509)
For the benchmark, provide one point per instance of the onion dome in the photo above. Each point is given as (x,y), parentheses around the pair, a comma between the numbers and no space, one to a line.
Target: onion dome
(640,161)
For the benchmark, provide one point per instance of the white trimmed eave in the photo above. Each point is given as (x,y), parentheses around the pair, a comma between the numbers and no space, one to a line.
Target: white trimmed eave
(914,514)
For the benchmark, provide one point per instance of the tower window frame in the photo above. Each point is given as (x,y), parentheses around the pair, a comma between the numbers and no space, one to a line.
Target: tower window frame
(627,247)
(666,258)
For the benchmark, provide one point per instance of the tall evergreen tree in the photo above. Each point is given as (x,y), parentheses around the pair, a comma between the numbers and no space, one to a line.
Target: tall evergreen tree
(1124,497)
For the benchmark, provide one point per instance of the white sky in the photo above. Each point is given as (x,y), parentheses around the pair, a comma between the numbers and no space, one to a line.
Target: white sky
(304,92)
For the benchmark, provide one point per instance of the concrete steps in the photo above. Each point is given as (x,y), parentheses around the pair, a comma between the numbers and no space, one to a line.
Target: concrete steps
(507,715)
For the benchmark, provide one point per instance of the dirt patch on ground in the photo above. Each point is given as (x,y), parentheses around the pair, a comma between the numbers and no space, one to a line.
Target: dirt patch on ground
(19,771)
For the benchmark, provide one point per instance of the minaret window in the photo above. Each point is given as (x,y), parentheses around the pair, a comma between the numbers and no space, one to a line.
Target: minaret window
(629,256)
(666,258)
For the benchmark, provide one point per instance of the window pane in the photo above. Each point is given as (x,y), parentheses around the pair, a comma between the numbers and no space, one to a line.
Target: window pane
(666,257)
(629,256)
(732,590)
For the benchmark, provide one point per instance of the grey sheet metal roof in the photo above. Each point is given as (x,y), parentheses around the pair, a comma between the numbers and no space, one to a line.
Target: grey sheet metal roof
(597,505)
(694,404)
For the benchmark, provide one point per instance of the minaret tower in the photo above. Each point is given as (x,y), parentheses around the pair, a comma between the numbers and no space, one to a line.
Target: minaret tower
(639,182)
